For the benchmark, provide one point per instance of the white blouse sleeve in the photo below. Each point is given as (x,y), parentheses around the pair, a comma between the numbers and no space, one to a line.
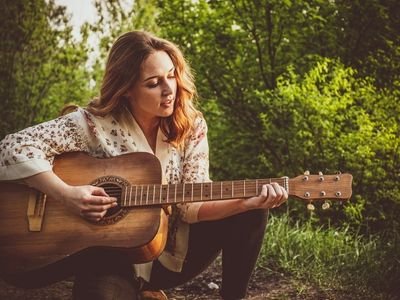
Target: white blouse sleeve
(195,167)
(32,150)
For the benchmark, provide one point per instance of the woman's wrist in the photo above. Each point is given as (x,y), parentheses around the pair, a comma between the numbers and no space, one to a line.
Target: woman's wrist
(62,192)
(50,184)
(247,205)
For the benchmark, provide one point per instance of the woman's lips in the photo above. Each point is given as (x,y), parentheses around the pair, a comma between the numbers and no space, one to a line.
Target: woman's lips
(167,103)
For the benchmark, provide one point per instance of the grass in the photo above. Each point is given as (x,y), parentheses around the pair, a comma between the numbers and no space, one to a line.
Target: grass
(334,259)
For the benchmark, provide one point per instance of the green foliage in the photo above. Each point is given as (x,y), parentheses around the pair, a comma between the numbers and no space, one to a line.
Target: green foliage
(42,67)
(330,120)
(333,258)
(369,39)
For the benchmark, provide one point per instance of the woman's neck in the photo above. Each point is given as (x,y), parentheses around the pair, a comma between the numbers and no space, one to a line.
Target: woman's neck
(149,128)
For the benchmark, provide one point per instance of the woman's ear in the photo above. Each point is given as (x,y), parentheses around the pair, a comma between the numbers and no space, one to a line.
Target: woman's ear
(129,92)
(128,95)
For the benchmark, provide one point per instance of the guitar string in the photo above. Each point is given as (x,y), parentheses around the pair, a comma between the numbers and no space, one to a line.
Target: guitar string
(216,183)
(116,191)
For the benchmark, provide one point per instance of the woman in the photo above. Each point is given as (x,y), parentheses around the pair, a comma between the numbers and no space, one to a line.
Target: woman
(146,104)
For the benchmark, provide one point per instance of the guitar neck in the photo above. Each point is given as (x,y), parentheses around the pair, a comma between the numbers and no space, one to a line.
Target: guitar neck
(165,194)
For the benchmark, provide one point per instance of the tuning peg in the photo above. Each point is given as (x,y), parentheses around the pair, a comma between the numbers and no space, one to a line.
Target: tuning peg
(320,173)
(325,205)
(310,206)
(307,172)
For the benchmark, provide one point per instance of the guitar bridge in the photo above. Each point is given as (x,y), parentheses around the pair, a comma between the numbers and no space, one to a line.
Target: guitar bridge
(35,212)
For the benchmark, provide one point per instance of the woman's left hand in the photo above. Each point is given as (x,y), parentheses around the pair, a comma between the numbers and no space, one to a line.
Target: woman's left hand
(271,196)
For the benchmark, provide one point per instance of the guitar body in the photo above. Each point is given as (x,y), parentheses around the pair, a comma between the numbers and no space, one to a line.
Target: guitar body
(42,242)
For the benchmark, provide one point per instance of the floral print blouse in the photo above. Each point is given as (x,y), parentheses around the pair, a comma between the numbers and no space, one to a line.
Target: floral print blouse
(32,150)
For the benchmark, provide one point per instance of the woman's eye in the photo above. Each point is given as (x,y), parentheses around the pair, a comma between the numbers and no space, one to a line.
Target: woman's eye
(152,84)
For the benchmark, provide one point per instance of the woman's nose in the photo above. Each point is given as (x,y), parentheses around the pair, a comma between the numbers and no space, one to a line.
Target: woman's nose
(167,88)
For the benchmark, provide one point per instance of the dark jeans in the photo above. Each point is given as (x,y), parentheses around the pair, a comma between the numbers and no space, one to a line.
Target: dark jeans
(239,237)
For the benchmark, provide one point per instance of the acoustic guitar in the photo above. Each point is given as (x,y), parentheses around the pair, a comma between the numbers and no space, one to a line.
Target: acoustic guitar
(41,242)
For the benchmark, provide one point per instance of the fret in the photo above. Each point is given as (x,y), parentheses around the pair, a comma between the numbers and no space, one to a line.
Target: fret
(136,194)
(222,192)
(129,197)
(141,194)
(183,192)
(154,192)
(147,196)
(287,184)
(256,187)
(192,193)
(232,190)
(160,192)
(126,194)
(167,192)
(244,188)
(201,191)
(175,192)
(225,189)
(211,190)
(123,196)
(255,193)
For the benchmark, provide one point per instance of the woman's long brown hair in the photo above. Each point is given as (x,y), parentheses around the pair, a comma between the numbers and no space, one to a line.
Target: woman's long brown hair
(122,71)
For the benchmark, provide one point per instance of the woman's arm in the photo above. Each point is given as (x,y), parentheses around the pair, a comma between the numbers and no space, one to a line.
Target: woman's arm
(28,155)
(196,170)
(88,201)
(32,150)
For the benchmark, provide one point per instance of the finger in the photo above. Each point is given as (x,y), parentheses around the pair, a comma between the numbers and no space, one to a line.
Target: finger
(282,199)
(99,191)
(285,195)
(93,219)
(92,216)
(279,193)
(97,200)
(264,191)
(271,194)
(99,208)
(278,190)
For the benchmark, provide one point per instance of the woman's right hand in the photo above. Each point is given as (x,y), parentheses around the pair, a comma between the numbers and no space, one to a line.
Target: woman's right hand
(88,201)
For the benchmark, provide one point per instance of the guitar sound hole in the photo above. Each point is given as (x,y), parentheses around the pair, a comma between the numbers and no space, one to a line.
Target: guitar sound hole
(113,190)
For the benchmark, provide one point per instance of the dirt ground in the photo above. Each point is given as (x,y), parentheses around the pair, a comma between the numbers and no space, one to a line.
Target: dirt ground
(203,287)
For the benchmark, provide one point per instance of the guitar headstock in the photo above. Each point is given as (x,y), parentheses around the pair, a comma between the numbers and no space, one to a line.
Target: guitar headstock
(317,187)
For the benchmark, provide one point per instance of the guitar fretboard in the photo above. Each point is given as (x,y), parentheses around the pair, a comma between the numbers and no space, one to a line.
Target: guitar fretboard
(160,194)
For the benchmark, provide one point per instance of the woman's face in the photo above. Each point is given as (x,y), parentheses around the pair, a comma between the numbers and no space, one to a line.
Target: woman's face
(153,95)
